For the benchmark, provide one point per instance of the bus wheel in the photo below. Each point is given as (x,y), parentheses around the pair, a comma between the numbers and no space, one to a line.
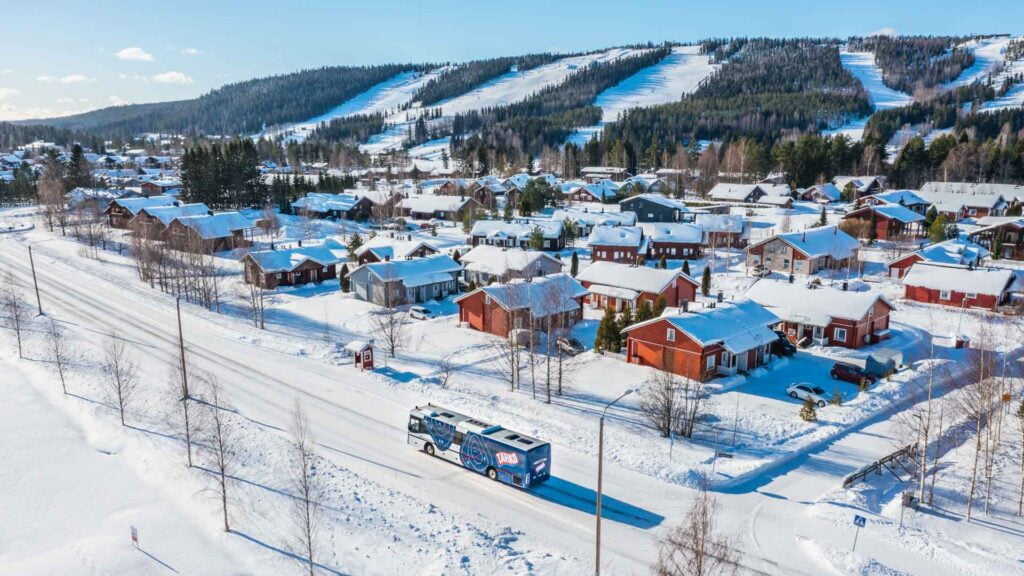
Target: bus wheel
(492,473)
(428,448)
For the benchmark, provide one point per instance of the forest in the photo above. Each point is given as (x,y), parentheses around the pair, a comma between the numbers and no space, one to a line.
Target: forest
(240,108)
(460,79)
(912,64)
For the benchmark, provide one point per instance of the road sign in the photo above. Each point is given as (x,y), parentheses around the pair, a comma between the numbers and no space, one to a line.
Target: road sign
(135,536)
(859,521)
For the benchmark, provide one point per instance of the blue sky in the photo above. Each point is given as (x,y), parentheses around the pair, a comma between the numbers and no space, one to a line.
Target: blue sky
(65,56)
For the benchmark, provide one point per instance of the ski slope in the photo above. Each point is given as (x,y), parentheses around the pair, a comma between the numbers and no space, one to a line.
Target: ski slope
(506,89)
(1015,97)
(862,66)
(384,97)
(681,72)
(988,55)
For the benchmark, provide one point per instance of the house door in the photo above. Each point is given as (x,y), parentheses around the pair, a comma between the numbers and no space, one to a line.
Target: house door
(1007,251)
(818,333)
(741,361)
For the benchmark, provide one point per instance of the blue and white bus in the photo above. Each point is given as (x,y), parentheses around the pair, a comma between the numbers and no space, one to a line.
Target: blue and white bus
(501,454)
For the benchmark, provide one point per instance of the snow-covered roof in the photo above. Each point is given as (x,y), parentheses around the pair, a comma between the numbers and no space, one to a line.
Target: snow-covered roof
(220,225)
(638,278)
(722,223)
(954,251)
(429,203)
(320,202)
(814,306)
(1013,222)
(677,232)
(392,249)
(624,218)
(133,205)
(954,196)
(775,200)
(165,214)
(417,271)
(517,229)
(614,292)
(357,345)
(826,190)
(543,296)
(777,190)
(617,236)
(732,192)
(603,170)
(662,200)
(861,183)
(498,261)
(988,281)
(819,242)
(739,326)
(273,261)
(904,197)
(890,211)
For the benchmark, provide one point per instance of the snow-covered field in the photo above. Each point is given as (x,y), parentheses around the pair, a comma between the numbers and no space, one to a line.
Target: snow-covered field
(384,97)
(681,72)
(1015,97)
(988,54)
(394,510)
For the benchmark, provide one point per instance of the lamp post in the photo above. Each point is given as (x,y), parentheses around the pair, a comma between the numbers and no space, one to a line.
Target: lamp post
(600,474)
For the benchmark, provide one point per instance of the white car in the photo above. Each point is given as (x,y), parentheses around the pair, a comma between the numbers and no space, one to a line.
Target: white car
(420,313)
(803,390)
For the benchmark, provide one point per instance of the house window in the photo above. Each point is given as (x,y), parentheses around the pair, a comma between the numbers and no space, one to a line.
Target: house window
(972,211)
(972,295)
(839,335)
(944,295)
(487,300)
(710,364)
(670,335)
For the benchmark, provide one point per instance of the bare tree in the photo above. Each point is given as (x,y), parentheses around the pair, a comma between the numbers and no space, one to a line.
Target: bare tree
(51,196)
(445,369)
(694,548)
(176,392)
(16,309)
(255,297)
(659,401)
(270,223)
(220,441)
(389,326)
(122,374)
(1020,424)
(307,486)
(976,402)
(57,346)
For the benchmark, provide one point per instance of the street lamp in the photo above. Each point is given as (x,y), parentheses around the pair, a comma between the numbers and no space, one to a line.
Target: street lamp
(600,474)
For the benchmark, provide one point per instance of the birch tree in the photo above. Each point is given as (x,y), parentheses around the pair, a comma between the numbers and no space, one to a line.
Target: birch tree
(221,446)
(122,374)
(307,487)
(17,311)
(57,347)
(695,548)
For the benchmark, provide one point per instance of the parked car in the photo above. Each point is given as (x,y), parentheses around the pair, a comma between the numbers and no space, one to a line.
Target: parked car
(570,346)
(782,346)
(421,313)
(803,390)
(440,223)
(850,373)
(761,271)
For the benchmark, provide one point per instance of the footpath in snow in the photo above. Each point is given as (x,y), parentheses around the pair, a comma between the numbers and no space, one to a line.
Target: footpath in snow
(681,72)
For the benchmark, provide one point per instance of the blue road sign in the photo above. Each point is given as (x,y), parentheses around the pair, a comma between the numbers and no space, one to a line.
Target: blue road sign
(859,521)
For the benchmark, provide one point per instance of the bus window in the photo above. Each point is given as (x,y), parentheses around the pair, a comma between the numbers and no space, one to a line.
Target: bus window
(415,424)
(459,438)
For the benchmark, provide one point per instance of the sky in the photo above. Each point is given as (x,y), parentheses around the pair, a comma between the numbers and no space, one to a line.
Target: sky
(67,56)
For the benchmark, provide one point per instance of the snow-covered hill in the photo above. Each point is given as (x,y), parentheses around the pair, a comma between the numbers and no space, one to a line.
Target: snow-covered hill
(667,81)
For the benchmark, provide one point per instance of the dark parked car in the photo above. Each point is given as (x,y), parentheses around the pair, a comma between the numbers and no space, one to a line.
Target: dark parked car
(851,373)
(782,346)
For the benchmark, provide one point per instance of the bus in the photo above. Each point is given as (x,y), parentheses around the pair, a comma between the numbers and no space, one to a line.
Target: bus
(500,454)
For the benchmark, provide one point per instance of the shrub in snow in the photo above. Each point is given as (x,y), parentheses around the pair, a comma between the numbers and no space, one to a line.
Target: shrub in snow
(837,398)
(807,411)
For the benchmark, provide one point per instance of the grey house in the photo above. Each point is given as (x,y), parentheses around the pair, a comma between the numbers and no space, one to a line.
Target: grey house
(406,281)
(656,208)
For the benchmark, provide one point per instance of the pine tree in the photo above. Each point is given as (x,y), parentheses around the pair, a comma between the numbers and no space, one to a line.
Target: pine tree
(343,279)
(456,256)
(574,266)
(808,412)
(608,332)
(873,232)
(662,263)
(536,241)
(644,312)
(823,219)
(705,281)
(686,267)
(937,231)
(837,398)
(354,243)
(930,216)
(626,318)
(507,211)
(659,306)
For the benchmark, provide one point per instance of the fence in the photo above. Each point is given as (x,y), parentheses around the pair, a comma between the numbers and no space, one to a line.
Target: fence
(876,467)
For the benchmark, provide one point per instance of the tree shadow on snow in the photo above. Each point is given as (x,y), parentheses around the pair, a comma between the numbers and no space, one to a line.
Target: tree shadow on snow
(572,495)
(286,553)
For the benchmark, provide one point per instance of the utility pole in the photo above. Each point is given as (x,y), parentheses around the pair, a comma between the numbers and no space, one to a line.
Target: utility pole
(181,348)
(32,262)
(600,474)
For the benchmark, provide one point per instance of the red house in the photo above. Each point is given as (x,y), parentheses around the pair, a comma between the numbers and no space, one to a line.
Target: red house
(955,251)
(823,316)
(730,338)
(554,301)
(676,241)
(891,221)
(622,244)
(619,286)
(957,286)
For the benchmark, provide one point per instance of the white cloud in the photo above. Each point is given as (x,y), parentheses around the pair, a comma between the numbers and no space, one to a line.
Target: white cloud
(7,93)
(69,79)
(122,76)
(5,71)
(12,112)
(172,78)
(884,32)
(134,53)
(116,101)
(191,51)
